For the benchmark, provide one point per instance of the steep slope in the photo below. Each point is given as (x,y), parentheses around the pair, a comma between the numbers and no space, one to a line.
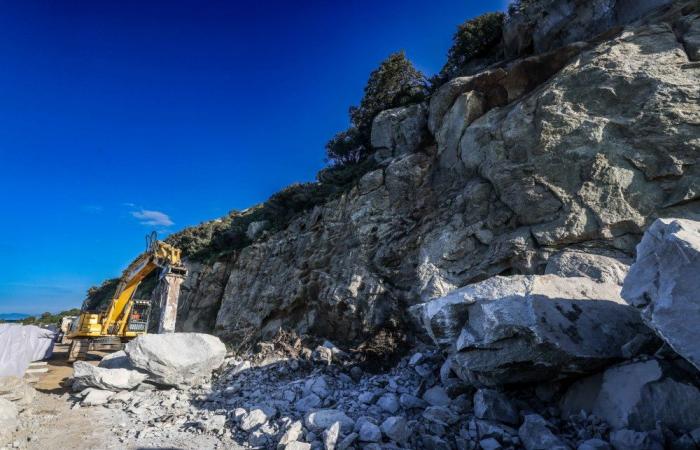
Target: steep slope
(580,147)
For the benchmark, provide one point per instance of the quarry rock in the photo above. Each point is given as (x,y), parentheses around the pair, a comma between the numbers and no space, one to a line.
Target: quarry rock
(637,396)
(176,359)
(664,283)
(324,418)
(109,379)
(530,328)
(95,397)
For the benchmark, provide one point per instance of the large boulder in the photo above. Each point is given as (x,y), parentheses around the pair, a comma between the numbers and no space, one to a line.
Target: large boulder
(664,283)
(522,329)
(176,359)
(118,379)
(637,395)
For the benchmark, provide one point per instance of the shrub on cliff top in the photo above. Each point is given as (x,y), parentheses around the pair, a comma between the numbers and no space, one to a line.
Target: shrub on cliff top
(474,38)
(396,82)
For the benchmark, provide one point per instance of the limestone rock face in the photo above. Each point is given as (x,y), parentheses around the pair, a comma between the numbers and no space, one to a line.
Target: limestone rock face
(580,148)
(401,130)
(664,283)
(636,396)
(176,359)
(554,23)
(606,267)
(524,329)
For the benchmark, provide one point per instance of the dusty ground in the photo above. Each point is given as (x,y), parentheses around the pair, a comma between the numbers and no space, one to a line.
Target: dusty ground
(52,422)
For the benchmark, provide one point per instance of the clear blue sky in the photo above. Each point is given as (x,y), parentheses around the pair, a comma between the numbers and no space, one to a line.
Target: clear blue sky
(119,117)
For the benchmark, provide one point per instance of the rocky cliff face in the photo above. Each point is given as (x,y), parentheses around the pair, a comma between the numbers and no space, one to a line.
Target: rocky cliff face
(580,148)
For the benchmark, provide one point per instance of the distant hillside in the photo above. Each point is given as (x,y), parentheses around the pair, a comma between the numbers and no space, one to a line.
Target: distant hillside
(13,317)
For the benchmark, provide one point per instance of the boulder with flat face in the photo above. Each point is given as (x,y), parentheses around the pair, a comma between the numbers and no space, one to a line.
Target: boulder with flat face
(523,329)
(636,396)
(176,359)
(664,283)
(109,379)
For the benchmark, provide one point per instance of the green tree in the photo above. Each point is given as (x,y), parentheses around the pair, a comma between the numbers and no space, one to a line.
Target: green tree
(474,38)
(396,82)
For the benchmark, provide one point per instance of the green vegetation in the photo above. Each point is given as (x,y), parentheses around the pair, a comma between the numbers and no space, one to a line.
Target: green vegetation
(50,319)
(474,39)
(396,82)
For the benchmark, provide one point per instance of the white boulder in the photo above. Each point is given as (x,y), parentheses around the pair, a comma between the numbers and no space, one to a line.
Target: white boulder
(522,329)
(176,359)
(664,283)
(108,379)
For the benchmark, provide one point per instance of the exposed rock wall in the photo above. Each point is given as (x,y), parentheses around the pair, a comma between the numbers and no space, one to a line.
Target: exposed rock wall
(510,167)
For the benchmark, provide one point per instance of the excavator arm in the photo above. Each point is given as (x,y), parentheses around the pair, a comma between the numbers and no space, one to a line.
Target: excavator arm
(115,320)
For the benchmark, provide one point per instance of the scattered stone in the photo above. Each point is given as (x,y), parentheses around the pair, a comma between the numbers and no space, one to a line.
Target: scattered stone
(490,444)
(308,403)
(348,441)
(409,401)
(369,432)
(490,404)
(396,428)
(253,419)
(330,436)
(297,446)
(536,434)
(636,440)
(594,444)
(436,396)
(95,397)
(292,434)
(389,403)
(324,418)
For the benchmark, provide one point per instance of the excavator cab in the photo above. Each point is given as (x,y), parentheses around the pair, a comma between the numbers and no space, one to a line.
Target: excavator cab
(138,319)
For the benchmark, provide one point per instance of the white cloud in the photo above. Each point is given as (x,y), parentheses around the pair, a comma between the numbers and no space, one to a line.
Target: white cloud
(153,218)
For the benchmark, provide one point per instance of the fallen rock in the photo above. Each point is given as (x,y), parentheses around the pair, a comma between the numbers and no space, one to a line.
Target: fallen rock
(177,359)
(330,436)
(253,419)
(370,432)
(108,379)
(522,329)
(295,445)
(396,428)
(490,404)
(324,418)
(664,283)
(637,396)
(95,397)
(436,396)
(594,444)
(536,434)
(116,360)
(636,440)
(292,434)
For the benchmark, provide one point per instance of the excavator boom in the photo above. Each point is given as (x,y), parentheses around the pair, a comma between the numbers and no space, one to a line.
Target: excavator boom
(127,317)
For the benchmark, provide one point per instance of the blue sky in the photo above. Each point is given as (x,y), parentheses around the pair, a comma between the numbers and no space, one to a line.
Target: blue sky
(119,117)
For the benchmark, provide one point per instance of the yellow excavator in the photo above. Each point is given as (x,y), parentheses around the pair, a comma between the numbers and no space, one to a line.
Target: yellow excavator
(127,317)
